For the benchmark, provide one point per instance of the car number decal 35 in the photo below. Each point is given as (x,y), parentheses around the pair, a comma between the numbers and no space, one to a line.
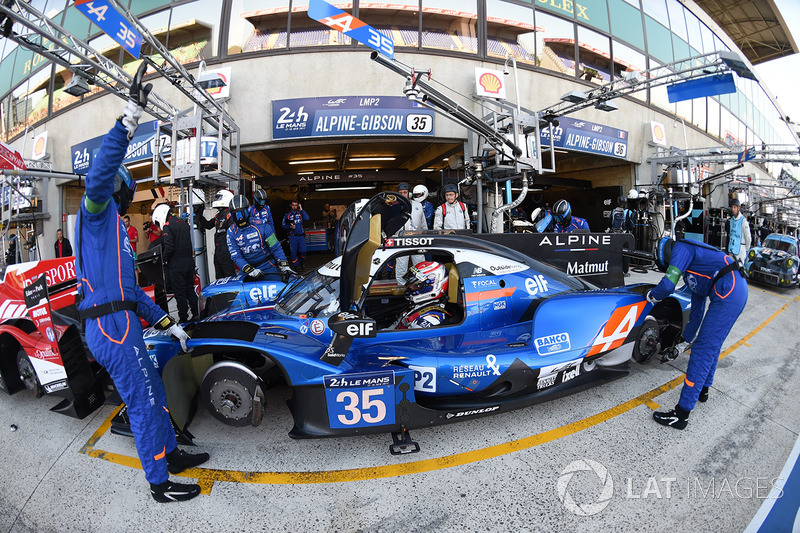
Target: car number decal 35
(360,400)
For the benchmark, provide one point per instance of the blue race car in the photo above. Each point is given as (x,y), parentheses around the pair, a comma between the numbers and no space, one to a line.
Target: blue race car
(775,261)
(516,331)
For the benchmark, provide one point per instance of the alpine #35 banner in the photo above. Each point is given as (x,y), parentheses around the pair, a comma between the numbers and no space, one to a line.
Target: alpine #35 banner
(349,116)
(349,25)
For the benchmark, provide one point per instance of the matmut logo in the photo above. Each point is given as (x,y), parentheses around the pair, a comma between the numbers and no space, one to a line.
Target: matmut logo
(614,332)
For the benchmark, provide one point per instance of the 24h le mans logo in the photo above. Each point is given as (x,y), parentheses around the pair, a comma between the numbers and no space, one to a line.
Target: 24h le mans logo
(603,499)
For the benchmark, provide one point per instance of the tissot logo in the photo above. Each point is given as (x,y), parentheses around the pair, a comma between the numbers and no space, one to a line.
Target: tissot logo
(409,241)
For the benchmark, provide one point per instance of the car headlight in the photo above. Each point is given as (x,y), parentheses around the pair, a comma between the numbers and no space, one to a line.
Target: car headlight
(751,254)
(789,262)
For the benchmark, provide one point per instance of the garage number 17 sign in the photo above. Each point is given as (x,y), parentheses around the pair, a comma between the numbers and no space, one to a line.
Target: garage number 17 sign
(111,21)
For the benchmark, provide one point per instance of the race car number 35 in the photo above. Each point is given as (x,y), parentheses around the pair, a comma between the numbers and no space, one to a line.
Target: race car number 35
(360,400)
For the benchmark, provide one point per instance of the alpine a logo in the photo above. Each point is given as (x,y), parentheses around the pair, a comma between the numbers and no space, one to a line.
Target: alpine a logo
(473,412)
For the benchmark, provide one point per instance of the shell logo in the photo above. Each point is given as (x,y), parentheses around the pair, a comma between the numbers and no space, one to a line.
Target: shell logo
(658,133)
(490,83)
(38,148)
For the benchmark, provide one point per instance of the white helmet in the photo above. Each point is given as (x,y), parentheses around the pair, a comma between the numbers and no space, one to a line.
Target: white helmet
(426,281)
(420,193)
(633,194)
(161,214)
(222,199)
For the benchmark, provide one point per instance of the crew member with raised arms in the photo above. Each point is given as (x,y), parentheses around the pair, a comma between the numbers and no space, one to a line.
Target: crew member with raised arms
(110,303)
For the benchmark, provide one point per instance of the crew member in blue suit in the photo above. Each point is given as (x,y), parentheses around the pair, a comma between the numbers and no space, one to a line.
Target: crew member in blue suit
(713,275)
(565,222)
(261,213)
(110,301)
(254,247)
(293,224)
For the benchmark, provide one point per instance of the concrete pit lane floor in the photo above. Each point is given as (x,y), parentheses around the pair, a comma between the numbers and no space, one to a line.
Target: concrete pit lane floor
(593,461)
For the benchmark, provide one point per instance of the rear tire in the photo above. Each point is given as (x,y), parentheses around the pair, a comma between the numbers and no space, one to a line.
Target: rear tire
(28,375)
(649,342)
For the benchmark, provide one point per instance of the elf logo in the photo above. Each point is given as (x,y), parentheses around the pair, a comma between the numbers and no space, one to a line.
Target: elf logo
(536,285)
(361,329)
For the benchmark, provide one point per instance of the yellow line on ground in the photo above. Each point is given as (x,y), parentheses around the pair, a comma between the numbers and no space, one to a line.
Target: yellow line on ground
(207,476)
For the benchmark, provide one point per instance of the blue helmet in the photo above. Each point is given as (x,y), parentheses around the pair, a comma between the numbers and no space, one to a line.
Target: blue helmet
(562,212)
(124,189)
(260,198)
(664,253)
(240,210)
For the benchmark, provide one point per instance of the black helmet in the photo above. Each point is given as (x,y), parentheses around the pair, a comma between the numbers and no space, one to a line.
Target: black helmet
(664,253)
(451,187)
(562,212)
(260,198)
(736,202)
(240,210)
(124,189)
(403,187)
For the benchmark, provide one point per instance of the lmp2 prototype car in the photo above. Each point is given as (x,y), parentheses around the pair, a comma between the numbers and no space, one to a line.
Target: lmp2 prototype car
(520,331)
(775,262)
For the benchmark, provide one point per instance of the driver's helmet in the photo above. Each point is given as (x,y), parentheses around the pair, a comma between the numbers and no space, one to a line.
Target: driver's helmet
(426,281)
(222,199)
(562,212)
(664,253)
(240,211)
(260,198)
(420,193)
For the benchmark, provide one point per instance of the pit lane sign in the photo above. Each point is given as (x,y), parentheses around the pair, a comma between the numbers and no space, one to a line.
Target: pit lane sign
(111,21)
(349,116)
(584,136)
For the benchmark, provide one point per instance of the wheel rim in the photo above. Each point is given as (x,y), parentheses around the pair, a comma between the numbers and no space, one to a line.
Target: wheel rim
(28,375)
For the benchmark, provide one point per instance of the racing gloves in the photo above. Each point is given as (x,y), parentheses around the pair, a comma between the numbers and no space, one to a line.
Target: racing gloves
(252,273)
(136,103)
(284,267)
(166,323)
(651,299)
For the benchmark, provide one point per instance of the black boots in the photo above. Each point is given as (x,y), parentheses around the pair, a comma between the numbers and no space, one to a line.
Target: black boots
(677,418)
(178,461)
(703,395)
(173,492)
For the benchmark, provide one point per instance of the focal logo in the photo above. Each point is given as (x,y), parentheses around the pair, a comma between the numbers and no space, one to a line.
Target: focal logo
(602,500)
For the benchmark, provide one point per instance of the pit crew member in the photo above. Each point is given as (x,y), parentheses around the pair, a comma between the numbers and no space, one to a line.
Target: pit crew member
(293,224)
(254,248)
(261,213)
(179,256)
(223,264)
(110,300)
(415,222)
(565,222)
(739,238)
(451,214)
(711,275)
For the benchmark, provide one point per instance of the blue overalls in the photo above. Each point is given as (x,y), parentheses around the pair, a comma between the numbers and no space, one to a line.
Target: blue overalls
(262,216)
(577,223)
(105,270)
(249,245)
(699,264)
(297,236)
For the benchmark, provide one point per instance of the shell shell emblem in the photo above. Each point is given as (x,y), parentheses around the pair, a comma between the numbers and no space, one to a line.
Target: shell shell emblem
(490,83)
